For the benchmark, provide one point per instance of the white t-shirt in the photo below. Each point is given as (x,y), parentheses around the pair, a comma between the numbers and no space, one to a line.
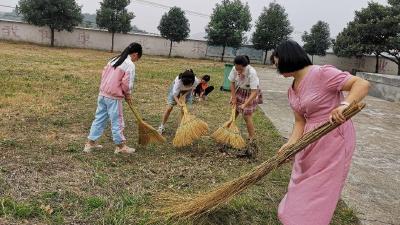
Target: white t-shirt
(249,81)
(178,86)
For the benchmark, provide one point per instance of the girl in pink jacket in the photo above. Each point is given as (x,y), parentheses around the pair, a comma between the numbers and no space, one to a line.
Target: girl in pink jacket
(116,84)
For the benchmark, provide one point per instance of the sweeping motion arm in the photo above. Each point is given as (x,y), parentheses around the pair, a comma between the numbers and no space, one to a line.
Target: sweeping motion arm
(181,100)
(253,95)
(358,89)
(178,100)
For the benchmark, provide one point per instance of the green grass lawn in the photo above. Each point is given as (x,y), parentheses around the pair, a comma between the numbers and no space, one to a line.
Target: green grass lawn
(47,103)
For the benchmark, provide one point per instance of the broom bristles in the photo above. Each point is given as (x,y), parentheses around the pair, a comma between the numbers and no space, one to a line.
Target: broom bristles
(190,129)
(220,135)
(229,133)
(192,208)
(147,134)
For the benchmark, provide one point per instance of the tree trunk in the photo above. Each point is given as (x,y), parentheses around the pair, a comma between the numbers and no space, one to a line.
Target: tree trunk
(398,68)
(52,37)
(170,49)
(223,53)
(112,42)
(312,59)
(377,63)
(265,58)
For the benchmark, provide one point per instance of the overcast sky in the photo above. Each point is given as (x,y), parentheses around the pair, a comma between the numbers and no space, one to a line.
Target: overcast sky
(302,13)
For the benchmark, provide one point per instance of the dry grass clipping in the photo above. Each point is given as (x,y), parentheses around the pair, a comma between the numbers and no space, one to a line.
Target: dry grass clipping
(147,133)
(179,208)
(190,129)
(229,133)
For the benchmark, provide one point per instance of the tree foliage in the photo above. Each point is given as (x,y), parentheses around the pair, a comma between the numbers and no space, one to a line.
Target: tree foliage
(56,14)
(174,26)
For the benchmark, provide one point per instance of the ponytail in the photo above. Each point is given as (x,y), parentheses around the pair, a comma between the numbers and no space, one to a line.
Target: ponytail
(132,48)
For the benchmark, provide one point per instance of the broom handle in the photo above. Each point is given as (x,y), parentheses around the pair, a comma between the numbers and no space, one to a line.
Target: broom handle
(183,102)
(221,195)
(318,132)
(233,115)
(135,112)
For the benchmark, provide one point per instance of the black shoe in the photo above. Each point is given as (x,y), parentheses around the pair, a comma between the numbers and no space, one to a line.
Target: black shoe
(253,149)
(223,148)
(250,151)
(242,154)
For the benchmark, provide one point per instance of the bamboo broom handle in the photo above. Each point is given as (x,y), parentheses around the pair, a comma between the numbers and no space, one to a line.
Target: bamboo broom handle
(233,114)
(135,112)
(183,102)
(233,117)
(315,134)
(221,195)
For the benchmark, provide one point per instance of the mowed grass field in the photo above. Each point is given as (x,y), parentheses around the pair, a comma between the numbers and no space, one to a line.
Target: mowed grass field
(47,103)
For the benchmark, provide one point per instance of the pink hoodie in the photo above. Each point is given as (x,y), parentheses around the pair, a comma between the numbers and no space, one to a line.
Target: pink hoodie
(116,83)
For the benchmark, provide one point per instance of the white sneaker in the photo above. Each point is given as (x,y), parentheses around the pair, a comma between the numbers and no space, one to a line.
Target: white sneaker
(161,129)
(125,150)
(88,147)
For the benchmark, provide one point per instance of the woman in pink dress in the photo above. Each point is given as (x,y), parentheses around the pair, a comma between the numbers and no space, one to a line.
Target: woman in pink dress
(320,170)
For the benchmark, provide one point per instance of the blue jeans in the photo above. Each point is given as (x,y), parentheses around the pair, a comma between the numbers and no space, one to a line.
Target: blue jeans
(108,109)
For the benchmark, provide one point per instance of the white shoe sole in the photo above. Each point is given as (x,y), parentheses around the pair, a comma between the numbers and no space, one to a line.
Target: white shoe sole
(91,148)
(124,152)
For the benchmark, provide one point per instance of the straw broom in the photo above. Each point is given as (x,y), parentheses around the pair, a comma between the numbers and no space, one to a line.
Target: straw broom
(190,129)
(179,208)
(147,134)
(229,133)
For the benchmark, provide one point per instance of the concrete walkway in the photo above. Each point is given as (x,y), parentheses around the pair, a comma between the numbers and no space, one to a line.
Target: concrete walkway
(373,185)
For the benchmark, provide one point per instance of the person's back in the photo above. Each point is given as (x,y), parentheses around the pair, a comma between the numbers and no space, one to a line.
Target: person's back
(117,82)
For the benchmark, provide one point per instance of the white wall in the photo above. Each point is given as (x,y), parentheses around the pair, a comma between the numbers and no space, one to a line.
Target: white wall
(98,39)
(155,45)
(364,64)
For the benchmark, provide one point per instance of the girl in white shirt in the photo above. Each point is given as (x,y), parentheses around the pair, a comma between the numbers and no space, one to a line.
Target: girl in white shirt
(245,91)
(183,85)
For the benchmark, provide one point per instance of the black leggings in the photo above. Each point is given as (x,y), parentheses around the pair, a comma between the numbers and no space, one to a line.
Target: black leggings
(208,90)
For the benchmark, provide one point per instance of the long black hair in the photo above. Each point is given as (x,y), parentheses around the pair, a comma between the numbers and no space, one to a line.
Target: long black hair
(132,48)
(291,57)
(187,77)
